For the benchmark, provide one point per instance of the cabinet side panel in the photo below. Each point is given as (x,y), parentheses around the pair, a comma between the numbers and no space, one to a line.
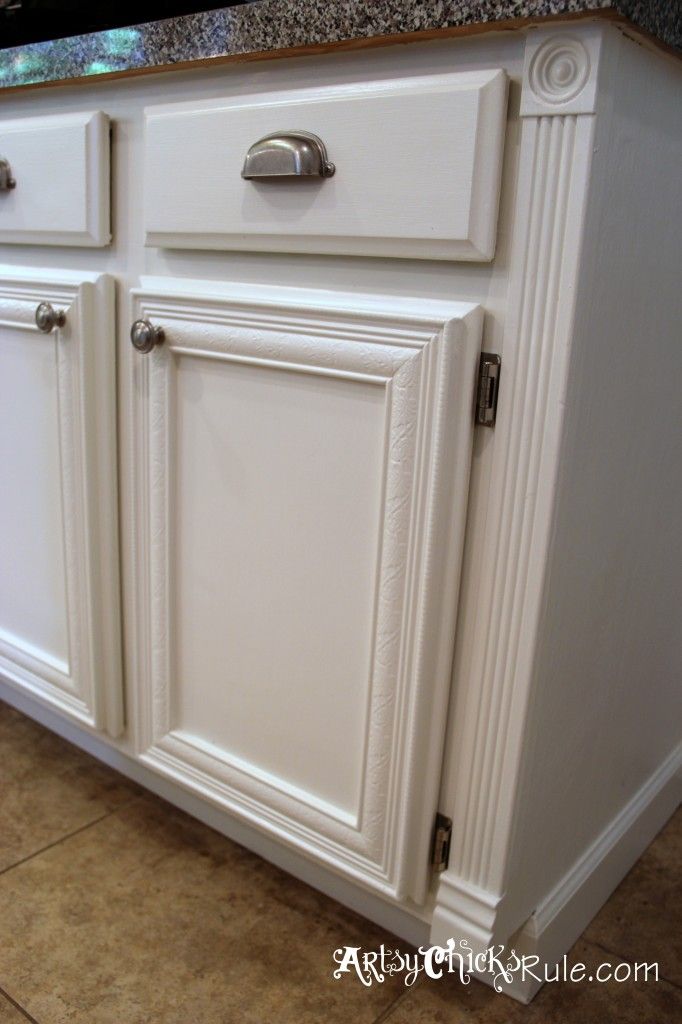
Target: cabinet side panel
(607,703)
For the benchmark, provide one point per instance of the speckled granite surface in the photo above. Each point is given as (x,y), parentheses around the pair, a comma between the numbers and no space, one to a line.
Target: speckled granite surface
(272,25)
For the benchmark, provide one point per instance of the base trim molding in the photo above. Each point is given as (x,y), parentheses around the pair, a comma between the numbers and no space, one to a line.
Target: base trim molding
(465,912)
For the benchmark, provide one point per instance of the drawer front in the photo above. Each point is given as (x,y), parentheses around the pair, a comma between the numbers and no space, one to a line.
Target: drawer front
(60,166)
(417,170)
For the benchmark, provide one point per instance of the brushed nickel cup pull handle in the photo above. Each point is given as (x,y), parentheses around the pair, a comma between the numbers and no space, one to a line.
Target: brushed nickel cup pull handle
(145,336)
(47,317)
(290,154)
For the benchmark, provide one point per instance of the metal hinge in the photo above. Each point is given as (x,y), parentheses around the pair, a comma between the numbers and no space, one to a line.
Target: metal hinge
(440,851)
(488,388)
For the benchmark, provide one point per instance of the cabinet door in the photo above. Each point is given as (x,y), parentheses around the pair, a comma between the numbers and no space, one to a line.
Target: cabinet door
(301,470)
(59,593)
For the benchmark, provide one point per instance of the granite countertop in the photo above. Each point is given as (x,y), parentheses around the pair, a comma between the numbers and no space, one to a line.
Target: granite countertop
(273,27)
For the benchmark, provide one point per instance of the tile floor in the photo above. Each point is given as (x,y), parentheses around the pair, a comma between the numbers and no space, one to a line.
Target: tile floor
(115,908)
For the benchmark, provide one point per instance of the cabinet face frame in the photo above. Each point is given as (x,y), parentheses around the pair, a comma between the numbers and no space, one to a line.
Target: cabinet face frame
(88,685)
(425,356)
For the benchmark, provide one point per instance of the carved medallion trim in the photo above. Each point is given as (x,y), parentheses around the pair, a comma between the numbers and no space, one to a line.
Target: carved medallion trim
(560,73)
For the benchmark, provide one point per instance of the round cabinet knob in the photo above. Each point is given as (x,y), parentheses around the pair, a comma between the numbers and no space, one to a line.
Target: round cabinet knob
(144,335)
(7,182)
(47,317)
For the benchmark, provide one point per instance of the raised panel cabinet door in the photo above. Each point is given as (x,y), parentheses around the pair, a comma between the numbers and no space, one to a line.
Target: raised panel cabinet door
(301,471)
(59,589)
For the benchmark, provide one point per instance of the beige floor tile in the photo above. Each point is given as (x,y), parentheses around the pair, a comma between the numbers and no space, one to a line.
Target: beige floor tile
(630,1002)
(449,1001)
(642,921)
(148,916)
(9,1013)
(48,788)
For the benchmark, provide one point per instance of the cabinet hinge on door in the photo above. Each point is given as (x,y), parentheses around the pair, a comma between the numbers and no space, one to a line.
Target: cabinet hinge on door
(440,851)
(487,389)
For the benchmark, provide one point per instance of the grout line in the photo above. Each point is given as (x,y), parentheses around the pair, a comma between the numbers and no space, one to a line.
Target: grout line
(62,839)
(17,1006)
(627,960)
(385,1014)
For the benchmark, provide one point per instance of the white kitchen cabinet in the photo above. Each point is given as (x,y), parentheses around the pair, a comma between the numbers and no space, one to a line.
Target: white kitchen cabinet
(307,666)
(59,599)
(302,464)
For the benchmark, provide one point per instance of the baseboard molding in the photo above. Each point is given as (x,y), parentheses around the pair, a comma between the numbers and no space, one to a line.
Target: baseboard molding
(566,912)
(407,926)
(463,911)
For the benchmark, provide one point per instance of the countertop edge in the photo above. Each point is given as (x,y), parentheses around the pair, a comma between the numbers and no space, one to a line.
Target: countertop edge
(360,43)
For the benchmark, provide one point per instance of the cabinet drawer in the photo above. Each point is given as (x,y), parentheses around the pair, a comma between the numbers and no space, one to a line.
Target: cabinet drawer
(417,170)
(60,166)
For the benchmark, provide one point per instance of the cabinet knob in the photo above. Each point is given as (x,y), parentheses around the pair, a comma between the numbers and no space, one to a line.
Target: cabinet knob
(144,335)
(7,182)
(47,317)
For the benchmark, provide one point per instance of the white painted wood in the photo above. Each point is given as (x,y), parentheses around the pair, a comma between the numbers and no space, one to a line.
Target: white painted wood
(32,600)
(303,464)
(418,164)
(546,742)
(569,638)
(495,653)
(566,911)
(561,71)
(61,167)
(59,599)
(606,711)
